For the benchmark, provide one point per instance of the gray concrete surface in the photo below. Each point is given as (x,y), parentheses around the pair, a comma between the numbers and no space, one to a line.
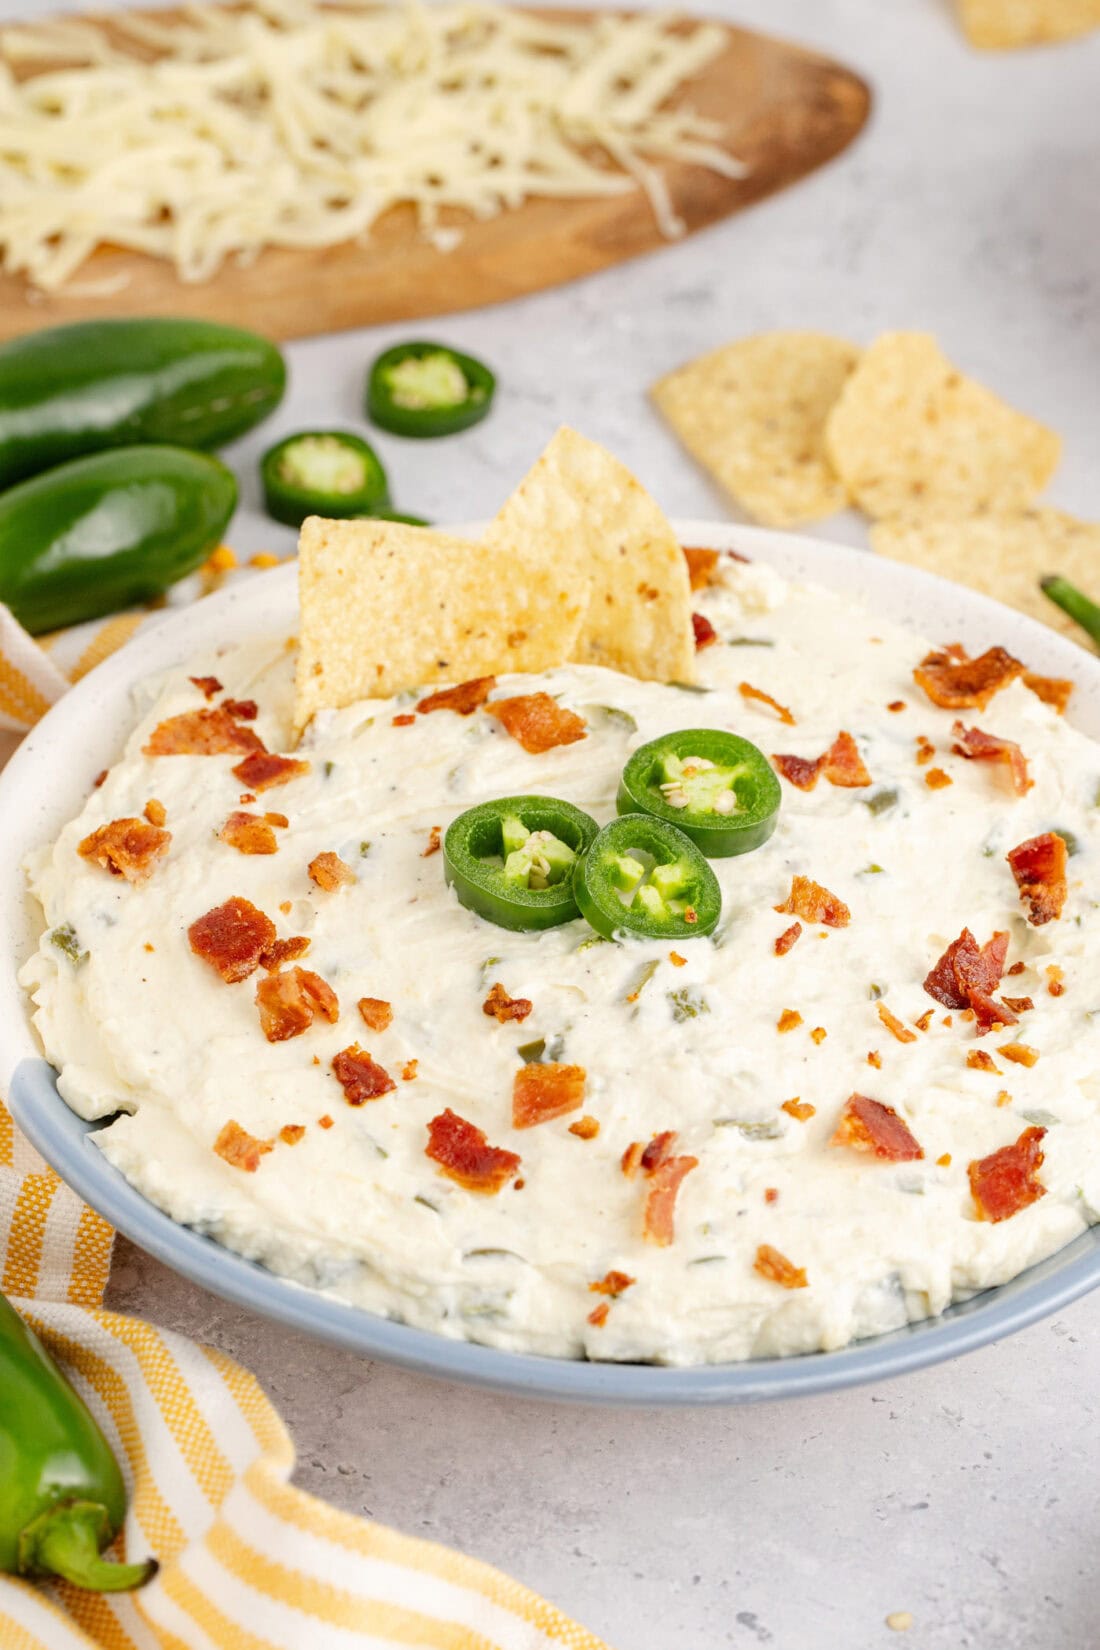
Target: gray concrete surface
(967,1495)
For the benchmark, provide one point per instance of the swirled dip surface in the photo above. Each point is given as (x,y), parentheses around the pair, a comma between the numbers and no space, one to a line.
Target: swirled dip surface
(138,1025)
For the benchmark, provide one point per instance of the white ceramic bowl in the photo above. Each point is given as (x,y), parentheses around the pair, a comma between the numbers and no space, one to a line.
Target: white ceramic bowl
(45,785)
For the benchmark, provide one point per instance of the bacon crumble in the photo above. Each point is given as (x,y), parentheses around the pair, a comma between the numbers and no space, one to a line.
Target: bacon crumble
(262,771)
(665,1178)
(405,719)
(434,843)
(1019,1053)
(926,750)
(545,1090)
(977,746)
(937,780)
(789,1020)
(279,952)
(598,1315)
(843,765)
(329,872)
(813,903)
(1039,866)
(249,834)
(360,1077)
(537,722)
(613,1284)
(895,1026)
(800,1110)
(208,732)
(585,1128)
(1052,690)
(1005,1182)
(787,938)
(499,1006)
(376,1012)
(747,691)
(954,681)
(703,631)
(464,1154)
(232,938)
(979,1060)
(155,812)
(869,1126)
(967,975)
(289,1002)
(702,567)
(240,1149)
(291,1133)
(799,771)
(245,710)
(208,686)
(774,1266)
(463,699)
(128,848)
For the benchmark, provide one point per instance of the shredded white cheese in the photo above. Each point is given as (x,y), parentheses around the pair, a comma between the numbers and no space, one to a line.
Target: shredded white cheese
(296,124)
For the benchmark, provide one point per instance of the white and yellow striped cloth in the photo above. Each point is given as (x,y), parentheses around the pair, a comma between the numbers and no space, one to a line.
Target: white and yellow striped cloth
(247,1561)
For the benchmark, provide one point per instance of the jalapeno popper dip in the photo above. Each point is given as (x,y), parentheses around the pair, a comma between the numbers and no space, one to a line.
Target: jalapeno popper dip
(872,1088)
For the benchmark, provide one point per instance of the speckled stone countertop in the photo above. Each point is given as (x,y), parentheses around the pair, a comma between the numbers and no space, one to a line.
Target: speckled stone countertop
(964,1496)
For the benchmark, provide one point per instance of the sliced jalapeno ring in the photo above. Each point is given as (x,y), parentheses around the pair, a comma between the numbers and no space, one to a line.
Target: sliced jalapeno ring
(718,789)
(322,473)
(424,389)
(512,860)
(645,877)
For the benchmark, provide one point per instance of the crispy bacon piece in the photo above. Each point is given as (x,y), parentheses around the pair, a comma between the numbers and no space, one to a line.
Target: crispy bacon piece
(209,732)
(843,764)
(658,1151)
(937,780)
(869,1126)
(978,746)
(1039,866)
(1020,1005)
(926,750)
(702,567)
(239,1148)
(245,710)
(703,631)
(585,1128)
(895,1026)
(249,834)
(126,848)
(499,1006)
(631,1159)
(262,771)
(598,1315)
(283,951)
(658,1216)
(329,872)
(404,720)
(966,976)
(377,1013)
(1021,1054)
(360,1077)
(1005,1182)
(543,1091)
(434,843)
(291,1133)
(799,771)
(155,812)
(747,691)
(979,1060)
(778,1269)
(613,1284)
(800,1110)
(232,938)
(954,681)
(1052,690)
(208,686)
(464,1154)
(289,1002)
(789,1020)
(537,722)
(463,699)
(787,938)
(813,903)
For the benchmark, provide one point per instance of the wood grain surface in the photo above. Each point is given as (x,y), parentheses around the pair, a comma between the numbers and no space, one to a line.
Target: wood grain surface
(784,111)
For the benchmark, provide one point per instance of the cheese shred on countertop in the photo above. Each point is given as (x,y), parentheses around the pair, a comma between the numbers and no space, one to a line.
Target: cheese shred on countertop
(295,124)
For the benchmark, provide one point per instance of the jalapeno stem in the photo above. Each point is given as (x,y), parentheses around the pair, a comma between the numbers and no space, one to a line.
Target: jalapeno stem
(65,1542)
(1079,607)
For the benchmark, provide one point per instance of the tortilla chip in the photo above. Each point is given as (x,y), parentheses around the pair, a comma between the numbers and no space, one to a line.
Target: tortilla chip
(910,433)
(1004,23)
(579,498)
(1003,554)
(753,414)
(387,607)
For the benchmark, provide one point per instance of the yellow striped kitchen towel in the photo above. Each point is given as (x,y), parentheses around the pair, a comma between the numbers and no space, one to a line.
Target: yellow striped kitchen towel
(248,1562)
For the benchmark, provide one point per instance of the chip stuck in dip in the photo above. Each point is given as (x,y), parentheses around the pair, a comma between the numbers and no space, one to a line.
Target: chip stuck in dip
(591,977)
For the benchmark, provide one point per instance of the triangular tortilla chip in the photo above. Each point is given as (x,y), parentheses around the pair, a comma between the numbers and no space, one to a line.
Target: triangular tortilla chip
(578,497)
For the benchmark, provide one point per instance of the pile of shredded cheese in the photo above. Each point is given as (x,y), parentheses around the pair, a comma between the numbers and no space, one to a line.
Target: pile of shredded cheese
(296,124)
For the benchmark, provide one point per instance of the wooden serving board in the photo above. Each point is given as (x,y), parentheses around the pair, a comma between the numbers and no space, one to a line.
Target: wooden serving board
(785,111)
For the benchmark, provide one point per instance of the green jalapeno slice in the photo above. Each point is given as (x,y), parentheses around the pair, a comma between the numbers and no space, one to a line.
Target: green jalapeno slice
(718,789)
(424,390)
(322,473)
(512,860)
(643,877)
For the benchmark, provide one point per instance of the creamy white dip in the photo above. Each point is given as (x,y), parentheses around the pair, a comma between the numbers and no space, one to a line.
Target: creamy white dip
(140,1026)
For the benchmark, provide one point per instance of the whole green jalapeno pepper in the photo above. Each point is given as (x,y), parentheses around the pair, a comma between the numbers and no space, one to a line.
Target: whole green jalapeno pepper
(62,1498)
